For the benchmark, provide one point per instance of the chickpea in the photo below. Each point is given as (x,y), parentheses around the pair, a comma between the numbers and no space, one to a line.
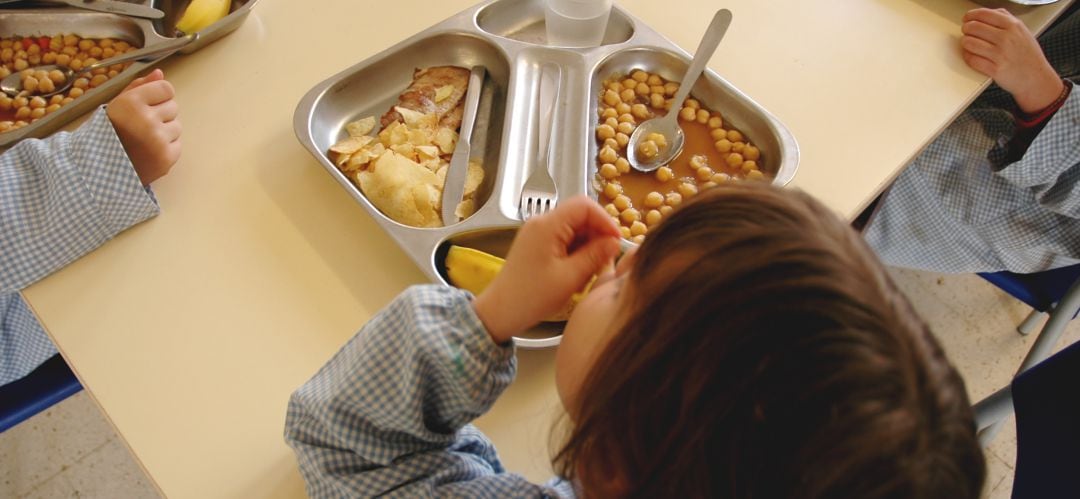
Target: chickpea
(698,161)
(704,173)
(621,202)
(708,185)
(608,155)
(5,43)
(639,76)
(629,216)
(56,99)
(702,116)
(41,75)
(611,98)
(615,86)
(670,88)
(667,104)
(22,113)
(654,79)
(692,104)
(687,189)
(648,149)
(673,199)
(734,136)
(639,111)
(30,84)
(52,108)
(625,127)
(659,138)
(621,139)
(85,45)
(627,118)
(609,113)
(687,114)
(5,126)
(63,59)
(638,239)
(653,217)
(720,178)
(97,80)
(70,51)
(604,132)
(623,230)
(622,165)
(95,52)
(664,174)
(751,153)
(99,71)
(656,101)
(642,89)
(734,160)
(76,64)
(71,40)
(654,200)
(718,133)
(33,49)
(38,102)
(723,146)
(107,53)
(48,58)
(612,191)
(656,89)
(105,43)
(755,175)
(622,108)
(747,166)
(637,228)
(629,83)
(611,122)
(122,46)
(608,171)
(716,122)
(37,113)
(20,64)
(612,143)
(20,102)
(34,60)
(627,95)
(7,55)
(46,86)
(75,92)
(664,211)
(117,67)
(611,210)
(5,103)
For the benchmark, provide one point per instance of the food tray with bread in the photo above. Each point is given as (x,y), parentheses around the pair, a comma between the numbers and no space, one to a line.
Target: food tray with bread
(37,34)
(399,130)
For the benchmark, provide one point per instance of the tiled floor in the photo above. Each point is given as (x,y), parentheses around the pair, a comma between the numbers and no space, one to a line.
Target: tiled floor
(71,451)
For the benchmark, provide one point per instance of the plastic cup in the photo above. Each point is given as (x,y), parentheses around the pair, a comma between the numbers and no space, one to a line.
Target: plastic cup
(576,23)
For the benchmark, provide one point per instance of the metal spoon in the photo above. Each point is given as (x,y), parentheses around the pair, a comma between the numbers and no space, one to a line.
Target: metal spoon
(12,84)
(668,125)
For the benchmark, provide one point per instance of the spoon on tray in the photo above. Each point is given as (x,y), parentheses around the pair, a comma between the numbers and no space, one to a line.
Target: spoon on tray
(12,84)
(643,150)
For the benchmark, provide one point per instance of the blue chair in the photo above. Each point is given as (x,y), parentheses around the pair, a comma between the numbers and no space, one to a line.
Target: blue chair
(1055,293)
(50,383)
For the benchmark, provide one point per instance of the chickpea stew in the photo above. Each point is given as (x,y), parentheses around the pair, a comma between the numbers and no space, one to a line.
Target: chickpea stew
(714,152)
(20,54)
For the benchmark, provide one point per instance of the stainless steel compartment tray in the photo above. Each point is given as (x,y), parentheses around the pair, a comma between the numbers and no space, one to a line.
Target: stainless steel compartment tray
(88,24)
(507,37)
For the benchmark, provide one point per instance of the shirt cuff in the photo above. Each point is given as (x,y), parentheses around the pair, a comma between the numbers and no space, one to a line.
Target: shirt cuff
(110,177)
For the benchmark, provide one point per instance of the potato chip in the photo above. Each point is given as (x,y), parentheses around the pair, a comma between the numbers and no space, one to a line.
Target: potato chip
(465,209)
(402,189)
(446,139)
(474,176)
(361,127)
(351,144)
(443,92)
(416,119)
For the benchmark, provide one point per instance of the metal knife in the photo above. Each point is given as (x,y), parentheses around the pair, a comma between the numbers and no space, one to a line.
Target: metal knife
(454,186)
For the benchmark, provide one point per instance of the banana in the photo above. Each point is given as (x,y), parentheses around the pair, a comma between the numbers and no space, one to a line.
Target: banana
(473,270)
(202,13)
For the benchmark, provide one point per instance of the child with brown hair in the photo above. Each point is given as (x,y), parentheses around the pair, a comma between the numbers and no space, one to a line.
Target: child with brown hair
(752,347)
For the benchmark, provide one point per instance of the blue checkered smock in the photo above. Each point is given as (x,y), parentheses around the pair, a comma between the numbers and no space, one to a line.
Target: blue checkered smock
(389,415)
(962,206)
(59,199)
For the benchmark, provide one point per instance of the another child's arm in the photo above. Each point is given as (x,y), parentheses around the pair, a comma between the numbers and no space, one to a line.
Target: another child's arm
(63,196)
(389,414)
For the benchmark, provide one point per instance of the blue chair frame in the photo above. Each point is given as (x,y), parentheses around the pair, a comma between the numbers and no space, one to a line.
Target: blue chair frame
(50,383)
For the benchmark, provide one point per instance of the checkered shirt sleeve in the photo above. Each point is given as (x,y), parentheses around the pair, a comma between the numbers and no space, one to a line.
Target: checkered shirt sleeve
(60,198)
(389,414)
(962,206)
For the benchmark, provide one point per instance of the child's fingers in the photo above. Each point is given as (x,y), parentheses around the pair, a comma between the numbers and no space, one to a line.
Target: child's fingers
(592,258)
(585,216)
(167,111)
(980,64)
(998,18)
(979,47)
(154,75)
(171,131)
(981,30)
(154,92)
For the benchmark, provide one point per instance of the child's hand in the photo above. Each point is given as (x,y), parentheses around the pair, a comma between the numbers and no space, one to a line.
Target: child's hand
(552,257)
(998,45)
(145,118)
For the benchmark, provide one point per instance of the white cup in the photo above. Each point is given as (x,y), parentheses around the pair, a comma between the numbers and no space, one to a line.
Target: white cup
(576,23)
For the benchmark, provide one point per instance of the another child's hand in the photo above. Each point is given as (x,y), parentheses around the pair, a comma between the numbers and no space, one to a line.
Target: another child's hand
(145,118)
(999,45)
(552,257)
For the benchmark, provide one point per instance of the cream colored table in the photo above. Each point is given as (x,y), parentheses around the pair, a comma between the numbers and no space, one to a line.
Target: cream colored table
(192,329)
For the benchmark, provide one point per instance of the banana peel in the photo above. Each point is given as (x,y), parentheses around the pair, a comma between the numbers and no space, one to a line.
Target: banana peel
(473,270)
(202,13)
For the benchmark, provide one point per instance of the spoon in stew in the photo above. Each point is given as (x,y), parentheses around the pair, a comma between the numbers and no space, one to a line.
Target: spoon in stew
(657,141)
(12,84)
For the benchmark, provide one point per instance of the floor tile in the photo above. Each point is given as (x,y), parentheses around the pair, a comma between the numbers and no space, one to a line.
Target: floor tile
(109,472)
(31,454)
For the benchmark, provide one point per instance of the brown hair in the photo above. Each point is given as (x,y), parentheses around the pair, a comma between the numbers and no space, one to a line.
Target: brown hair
(774,358)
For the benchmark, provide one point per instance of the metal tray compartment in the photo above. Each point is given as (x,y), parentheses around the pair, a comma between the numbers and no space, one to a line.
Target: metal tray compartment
(507,37)
(88,24)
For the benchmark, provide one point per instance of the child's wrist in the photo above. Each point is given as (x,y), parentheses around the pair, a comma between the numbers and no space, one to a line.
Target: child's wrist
(1045,94)
(1026,119)
(486,307)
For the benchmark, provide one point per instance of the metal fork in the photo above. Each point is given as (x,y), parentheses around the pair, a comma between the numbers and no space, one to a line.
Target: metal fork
(539,195)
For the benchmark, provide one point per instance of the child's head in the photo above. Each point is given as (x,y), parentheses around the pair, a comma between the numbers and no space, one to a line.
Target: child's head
(755,347)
